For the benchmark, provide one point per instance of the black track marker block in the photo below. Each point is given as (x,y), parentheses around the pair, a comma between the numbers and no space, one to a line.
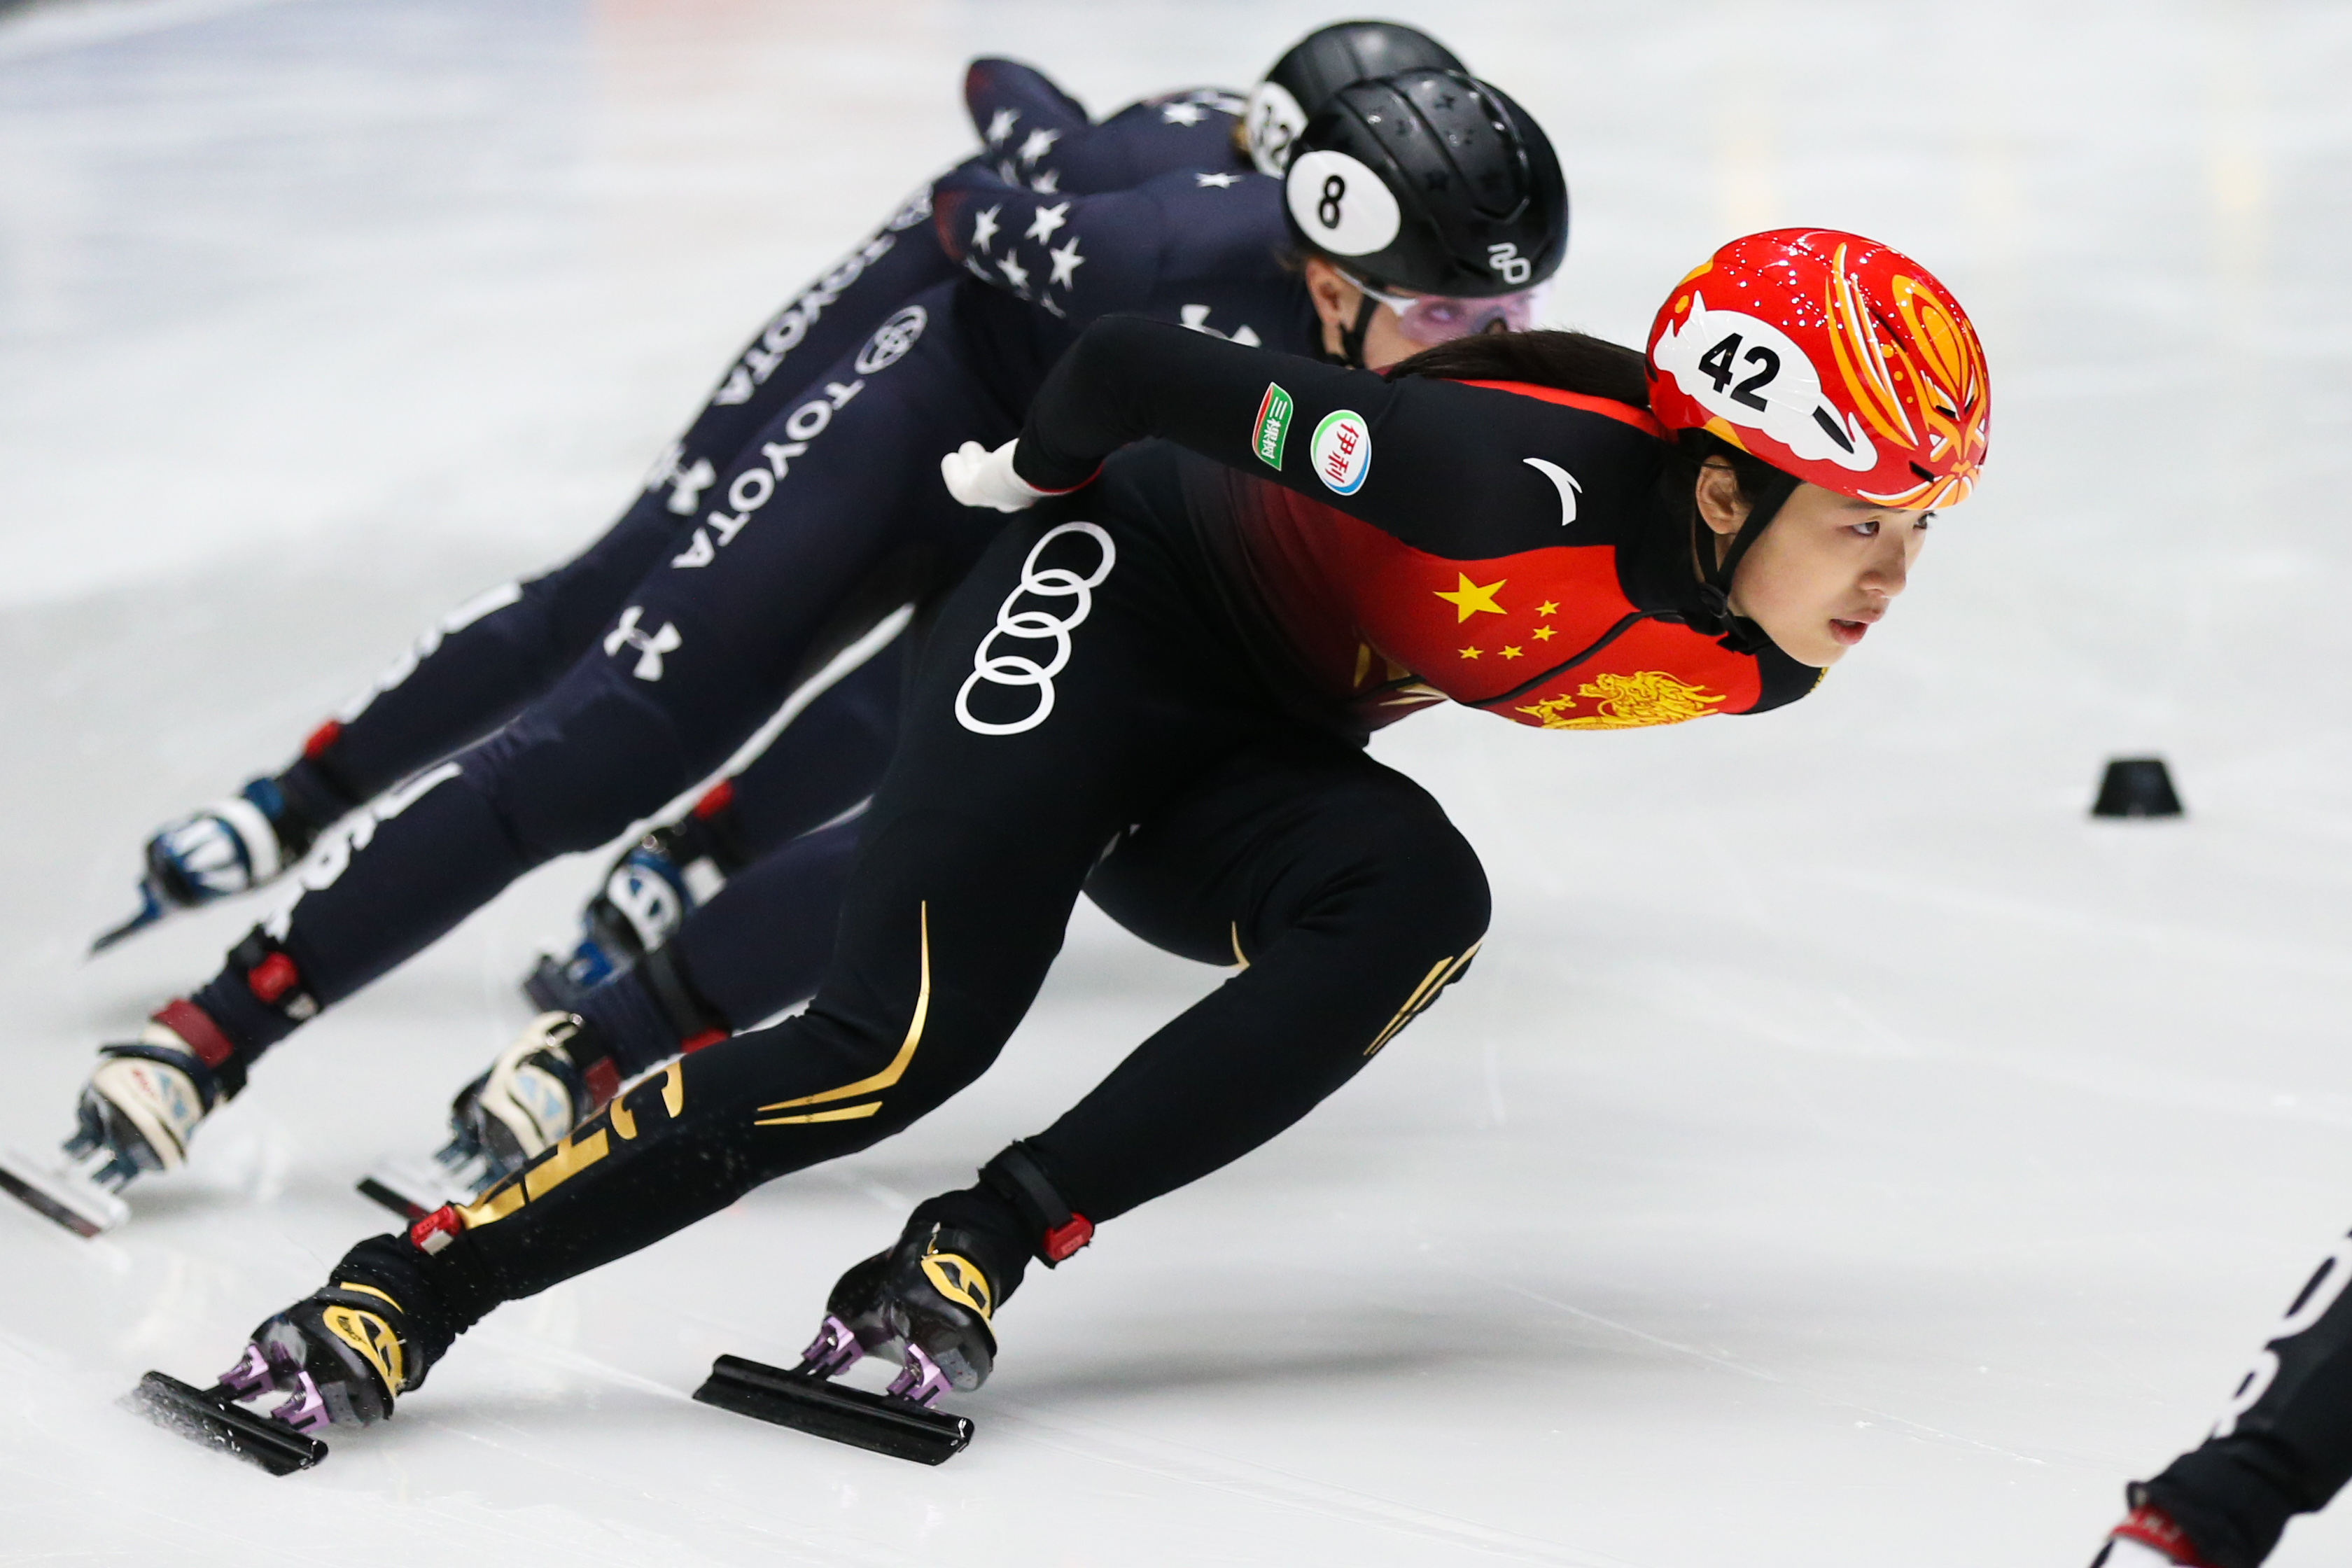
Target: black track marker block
(2137,786)
(898,1427)
(209,1416)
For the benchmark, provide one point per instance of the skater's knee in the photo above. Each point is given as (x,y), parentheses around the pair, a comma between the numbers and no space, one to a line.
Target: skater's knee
(1389,861)
(568,775)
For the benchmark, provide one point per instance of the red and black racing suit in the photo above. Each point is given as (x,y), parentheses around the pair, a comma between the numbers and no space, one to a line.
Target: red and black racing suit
(1158,689)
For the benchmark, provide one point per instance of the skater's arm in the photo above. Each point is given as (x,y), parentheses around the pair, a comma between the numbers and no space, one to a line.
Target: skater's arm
(1441,465)
(1009,102)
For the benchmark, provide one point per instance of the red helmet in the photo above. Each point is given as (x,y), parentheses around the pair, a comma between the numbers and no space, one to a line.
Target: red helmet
(1832,358)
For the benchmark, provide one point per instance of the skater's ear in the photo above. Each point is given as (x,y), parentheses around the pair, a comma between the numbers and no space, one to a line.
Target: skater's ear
(1337,299)
(1722,503)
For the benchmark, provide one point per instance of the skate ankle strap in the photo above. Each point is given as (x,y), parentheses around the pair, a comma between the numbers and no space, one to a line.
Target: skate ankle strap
(192,1024)
(2152,1528)
(1015,1177)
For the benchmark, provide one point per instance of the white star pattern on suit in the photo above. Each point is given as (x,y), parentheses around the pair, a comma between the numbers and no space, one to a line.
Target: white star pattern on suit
(1045,221)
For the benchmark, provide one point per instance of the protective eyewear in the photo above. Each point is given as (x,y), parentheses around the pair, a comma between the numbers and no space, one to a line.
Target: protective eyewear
(1431,319)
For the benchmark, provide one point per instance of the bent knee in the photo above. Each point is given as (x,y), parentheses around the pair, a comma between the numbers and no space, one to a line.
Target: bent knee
(573,771)
(1399,862)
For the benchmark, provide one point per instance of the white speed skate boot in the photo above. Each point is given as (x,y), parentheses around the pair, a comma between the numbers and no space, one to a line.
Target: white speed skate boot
(141,1105)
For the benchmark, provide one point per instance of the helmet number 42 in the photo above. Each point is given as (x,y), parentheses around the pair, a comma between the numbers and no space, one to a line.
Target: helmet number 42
(1720,363)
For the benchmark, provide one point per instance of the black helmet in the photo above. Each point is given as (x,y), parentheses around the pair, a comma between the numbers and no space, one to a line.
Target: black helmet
(1430,182)
(1319,64)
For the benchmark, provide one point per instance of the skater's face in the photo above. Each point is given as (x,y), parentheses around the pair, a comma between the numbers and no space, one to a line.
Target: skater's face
(1337,301)
(1821,575)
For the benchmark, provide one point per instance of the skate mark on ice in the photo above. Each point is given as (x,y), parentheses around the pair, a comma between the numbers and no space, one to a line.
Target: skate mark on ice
(1759,1374)
(1186,1465)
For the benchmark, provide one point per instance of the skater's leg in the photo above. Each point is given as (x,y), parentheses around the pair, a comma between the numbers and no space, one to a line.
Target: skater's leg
(707,649)
(762,945)
(480,663)
(1350,903)
(984,830)
(1354,903)
(475,670)
(823,764)
(2283,1446)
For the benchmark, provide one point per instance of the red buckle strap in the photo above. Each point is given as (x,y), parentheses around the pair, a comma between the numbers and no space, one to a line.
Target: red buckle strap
(273,977)
(716,799)
(2151,1528)
(436,1230)
(604,1081)
(1064,1240)
(694,1043)
(193,1025)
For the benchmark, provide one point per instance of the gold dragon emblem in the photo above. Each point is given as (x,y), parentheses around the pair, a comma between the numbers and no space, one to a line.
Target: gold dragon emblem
(1626,702)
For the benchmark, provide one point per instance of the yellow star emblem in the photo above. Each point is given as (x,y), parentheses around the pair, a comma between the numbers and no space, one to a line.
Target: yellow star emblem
(1549,607)
(1543,634)
(1510,653)
(1470,653)
(1471,598)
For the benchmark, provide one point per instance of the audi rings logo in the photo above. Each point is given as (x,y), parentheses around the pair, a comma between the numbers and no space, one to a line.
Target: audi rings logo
(1035,625)
(891,340)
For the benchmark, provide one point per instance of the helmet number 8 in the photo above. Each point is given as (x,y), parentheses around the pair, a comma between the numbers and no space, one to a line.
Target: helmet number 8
(1327,209)
(1718,364)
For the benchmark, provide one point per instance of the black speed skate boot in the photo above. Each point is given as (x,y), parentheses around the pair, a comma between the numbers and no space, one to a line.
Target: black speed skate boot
(230,846)
(928,1304)
(557,1074)
(141,1105)
(660,880)
(342,1356)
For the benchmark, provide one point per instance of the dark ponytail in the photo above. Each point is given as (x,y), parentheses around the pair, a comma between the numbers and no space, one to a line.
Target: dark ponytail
(1573,362)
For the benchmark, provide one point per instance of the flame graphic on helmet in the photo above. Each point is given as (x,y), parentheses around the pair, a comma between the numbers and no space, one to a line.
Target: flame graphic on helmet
(1938,355)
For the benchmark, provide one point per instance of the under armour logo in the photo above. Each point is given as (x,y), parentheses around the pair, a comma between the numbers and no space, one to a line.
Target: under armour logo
(687,484)
(686,489)
(650,648)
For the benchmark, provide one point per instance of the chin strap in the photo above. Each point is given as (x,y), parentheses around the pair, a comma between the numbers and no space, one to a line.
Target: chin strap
(1741,634)
(1352,337)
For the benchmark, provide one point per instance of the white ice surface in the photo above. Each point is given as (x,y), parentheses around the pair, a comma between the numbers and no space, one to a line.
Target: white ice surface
(1845,1153)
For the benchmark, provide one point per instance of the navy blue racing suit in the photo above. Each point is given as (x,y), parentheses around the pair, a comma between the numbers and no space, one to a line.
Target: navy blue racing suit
(828,518)
(475,668)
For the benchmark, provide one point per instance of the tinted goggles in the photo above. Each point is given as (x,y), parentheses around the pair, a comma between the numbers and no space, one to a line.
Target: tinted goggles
(1429,318)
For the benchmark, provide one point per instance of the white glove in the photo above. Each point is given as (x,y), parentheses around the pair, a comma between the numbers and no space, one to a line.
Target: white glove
(978,476)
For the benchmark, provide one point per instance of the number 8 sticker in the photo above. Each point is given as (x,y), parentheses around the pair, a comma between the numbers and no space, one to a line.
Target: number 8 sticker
(1340,204)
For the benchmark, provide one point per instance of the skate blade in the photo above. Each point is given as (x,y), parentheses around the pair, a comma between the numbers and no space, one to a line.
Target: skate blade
(209,1416)
(414,1188)
(897,1427)
(150,909)
(81,1206)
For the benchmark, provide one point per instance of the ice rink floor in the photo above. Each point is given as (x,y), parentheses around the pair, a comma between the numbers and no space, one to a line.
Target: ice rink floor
(1846,1153)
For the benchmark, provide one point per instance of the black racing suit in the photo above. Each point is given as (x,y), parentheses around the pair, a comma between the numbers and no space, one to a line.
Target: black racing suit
(1130,694)
(2284,1446)
(828,518)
